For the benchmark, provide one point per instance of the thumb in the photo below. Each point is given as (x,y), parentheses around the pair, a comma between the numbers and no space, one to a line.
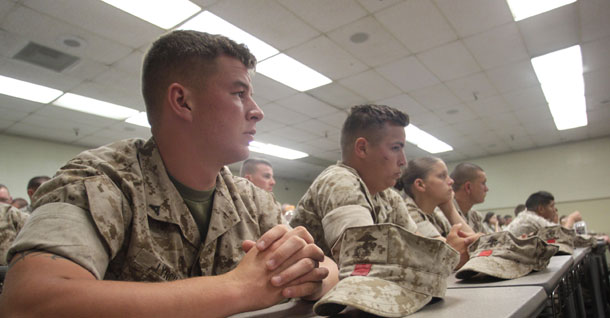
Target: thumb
(455,229)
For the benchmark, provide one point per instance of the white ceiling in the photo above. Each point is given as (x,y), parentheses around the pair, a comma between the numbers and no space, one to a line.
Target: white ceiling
(460,69)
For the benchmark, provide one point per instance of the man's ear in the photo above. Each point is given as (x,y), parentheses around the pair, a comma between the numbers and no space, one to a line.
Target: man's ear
(248,176)
(179,98)
(468,187)
(361,147)
(30,192)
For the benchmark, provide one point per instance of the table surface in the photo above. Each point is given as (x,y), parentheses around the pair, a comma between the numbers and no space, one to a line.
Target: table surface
(579,254)
(547,278)
(518,301)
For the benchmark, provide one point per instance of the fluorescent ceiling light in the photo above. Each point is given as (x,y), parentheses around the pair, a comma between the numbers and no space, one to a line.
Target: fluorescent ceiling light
(523,9)
(139,119)
(162,13)
(94,106)
(24,90)
(276,151)
(425,141)
(210,23)
(291,72)
(560,75)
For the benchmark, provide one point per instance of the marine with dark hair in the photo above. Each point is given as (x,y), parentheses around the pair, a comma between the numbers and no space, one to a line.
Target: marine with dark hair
(541,212)
(32,186)
(166,211)
(470,186)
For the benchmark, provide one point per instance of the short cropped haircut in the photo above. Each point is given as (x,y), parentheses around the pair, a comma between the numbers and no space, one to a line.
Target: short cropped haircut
(184,56)
(35,182)
(464,172)
(519,208)
(416,169)
(249,165)
(367,121)
(537,199)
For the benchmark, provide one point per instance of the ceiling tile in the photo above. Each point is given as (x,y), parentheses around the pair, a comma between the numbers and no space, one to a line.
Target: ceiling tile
(10,43)
(268,124)
(374,6)
(131,64)
(598,82)
(470,127)
(489,106)
(319,128)
(370,85)
(10,103)
(379,48)
(535,113)
(473,16)
(294,134)
(86,70)
(527,97)
(594,20)
(551,31)
(282,114)
(546,139)
(449,61)
(513,76)
(417,24)
(93,141)
(501,121)
(336,62)
(422,119)
(270,89)
(5,124)
(595,54)
(520,143)
(37,75)
(408,74)
(112,93)
(44,133)
(306,105)
(92,15)
(325,15)
(337,95)
(336,119)
(573,134)
(12,115)
(405,103)
(129,130)
(59,113)
(455,114)
(324,144)
(472,87)
(266,20)
(535,128)
(498,46)
(47,31)
(434,97)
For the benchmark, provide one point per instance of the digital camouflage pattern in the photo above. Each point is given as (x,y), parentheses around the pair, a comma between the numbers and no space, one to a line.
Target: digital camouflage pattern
(473,218)
(387,271)
(503,255)
(339,187)
(585,240)
(134,210)
(528,223)
(428,225)
(559,236)
(11,222)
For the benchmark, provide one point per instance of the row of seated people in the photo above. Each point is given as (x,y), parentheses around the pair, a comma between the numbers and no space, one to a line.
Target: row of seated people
(170,212)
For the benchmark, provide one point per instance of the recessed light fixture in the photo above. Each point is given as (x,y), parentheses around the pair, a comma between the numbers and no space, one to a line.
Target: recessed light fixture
(162,13)
(560,76)
(94,106)
(25,90)
(276,151)
(523,9)
(425,141)
(139,119)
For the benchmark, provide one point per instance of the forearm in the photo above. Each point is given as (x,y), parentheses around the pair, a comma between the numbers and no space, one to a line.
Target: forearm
(71,291)
(454,217)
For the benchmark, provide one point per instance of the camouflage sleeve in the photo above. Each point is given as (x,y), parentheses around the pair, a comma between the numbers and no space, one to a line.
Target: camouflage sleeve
(441,222)
(270,210)
(402,216)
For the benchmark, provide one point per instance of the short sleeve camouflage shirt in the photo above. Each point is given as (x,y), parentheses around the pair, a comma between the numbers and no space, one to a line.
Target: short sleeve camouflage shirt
(11,222)
(146,231)
(339,186)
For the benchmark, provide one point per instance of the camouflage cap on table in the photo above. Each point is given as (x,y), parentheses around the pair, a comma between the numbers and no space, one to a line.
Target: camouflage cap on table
(503,255)
(387,271)
(585,240)
(560,236)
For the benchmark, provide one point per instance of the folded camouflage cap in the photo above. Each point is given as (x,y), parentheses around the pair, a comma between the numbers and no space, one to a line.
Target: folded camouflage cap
(387,271)
(506,256)
(560,236)
(585,240)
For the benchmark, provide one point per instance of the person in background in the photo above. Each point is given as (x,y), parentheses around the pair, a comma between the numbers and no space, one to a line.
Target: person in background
(20,203)
(470,186)
(258,171)
(32,186)
(520,208)
(5,195)
(429,192)
(11,222)
(287,211)
(540,213)
(491,223)
(162,228)
(507,219)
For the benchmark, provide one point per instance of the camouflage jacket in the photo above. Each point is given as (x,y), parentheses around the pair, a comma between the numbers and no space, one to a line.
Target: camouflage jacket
(114,211)
(473,218)
(428,225)
(340,186)
(11,222)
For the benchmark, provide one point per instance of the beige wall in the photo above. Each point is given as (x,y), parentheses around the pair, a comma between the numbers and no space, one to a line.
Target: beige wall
(22,158)
(577,174)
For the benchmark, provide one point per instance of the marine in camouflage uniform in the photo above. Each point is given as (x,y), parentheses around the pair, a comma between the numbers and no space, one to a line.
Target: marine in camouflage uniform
(433,225)
(528,222)
(115,211)
(339,187)
(473,218)
(11,222)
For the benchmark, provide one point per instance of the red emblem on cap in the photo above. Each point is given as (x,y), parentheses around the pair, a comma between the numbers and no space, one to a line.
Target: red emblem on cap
(550,241)
(362,270)
(485,253)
